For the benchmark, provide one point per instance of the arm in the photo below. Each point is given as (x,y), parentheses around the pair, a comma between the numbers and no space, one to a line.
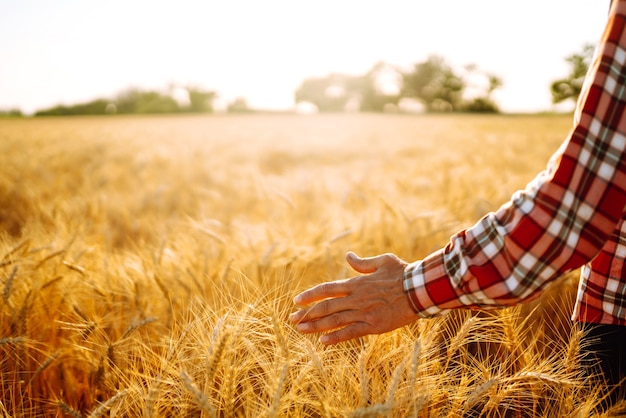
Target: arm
(562,218)
(559,222)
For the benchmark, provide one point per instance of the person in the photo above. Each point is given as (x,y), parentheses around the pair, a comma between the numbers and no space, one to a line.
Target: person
(571,215)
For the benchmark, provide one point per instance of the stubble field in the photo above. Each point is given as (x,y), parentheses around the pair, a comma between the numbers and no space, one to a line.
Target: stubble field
(147,267)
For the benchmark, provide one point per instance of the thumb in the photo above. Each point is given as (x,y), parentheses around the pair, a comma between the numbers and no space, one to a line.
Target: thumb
(363,265)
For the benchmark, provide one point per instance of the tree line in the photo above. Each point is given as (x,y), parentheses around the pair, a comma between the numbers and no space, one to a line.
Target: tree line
(136,101)
(433,83)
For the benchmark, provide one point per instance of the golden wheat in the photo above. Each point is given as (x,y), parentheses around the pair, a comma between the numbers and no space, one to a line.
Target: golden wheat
(148,266)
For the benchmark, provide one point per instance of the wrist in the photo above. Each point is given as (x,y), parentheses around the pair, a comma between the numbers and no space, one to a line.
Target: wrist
(416,288)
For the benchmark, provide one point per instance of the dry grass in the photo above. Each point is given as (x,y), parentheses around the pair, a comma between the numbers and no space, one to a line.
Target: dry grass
(147,267)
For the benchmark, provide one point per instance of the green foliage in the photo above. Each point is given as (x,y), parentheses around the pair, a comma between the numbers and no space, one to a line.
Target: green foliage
(436,84)
(95,107)
(484,103)
(341,92)
(200,101)
(374,97)
(570,87)
(481,105)
(330,93)
(441,88)
(239,105)
(135,101)
(11,113)
(433,82)
(138,102)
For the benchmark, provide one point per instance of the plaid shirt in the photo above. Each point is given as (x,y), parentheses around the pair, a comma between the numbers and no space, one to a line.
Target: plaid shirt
(571,214)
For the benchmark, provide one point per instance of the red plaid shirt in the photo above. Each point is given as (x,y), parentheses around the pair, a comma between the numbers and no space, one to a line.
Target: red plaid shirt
(572,214)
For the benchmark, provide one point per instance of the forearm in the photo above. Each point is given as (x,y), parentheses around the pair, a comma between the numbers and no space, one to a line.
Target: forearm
(559,222)
(506,258)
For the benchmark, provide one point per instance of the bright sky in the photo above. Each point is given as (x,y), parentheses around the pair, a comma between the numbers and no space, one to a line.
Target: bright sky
(68,51)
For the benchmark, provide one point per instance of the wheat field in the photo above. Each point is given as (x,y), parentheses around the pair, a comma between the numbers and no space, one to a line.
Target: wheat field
(147,267)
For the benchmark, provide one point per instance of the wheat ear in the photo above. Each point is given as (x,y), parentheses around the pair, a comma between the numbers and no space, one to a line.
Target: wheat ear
(198,396)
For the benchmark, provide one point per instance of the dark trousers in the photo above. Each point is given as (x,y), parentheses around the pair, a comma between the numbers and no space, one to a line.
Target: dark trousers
(603,351)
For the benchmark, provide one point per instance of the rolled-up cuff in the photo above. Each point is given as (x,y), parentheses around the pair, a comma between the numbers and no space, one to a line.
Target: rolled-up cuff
(414,285)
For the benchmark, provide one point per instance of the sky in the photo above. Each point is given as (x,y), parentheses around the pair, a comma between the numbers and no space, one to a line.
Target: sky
(72,51)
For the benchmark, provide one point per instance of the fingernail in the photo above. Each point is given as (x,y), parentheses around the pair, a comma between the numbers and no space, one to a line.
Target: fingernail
(303,326)
(297,299)
(293,316)
(324,339)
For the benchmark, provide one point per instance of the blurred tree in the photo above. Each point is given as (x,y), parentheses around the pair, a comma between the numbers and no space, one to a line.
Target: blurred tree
(380,88)
(200,101)
(239,105)
(11,113)
(485,103)
(569,87)
(94,107)
(135,101)
(435,84)
(495,83)
(145,102)
(481,105)
(340,92)
(330,93)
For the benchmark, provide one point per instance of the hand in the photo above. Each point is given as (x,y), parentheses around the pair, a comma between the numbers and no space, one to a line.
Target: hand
(370,304)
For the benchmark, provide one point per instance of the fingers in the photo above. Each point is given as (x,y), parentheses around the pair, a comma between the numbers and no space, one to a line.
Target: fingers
(371,303)
(344,325)
(362,265)
(324,308)
(369,265)
(341,287)
(350,332)
(327,322)
(323,291)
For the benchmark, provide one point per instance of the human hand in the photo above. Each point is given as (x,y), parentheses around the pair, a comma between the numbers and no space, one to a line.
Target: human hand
(373,303)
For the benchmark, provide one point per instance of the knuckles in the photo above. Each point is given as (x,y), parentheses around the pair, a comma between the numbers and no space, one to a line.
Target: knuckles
(335,321)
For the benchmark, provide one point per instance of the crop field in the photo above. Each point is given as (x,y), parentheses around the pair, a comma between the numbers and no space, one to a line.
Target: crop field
(148,266)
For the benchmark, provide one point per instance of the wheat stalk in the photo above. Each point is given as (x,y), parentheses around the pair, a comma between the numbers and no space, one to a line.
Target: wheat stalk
(4,411)
(22,315)
(7,286)
(479,392)
(105,406)
(68,410)
(198,396)
(51,282)
(520,357)
(194,279)
(24,244)
(228,388)
(281,338)
(50,257)
(378,410)
(459,338)
(151,397)
(134,326)
(14,340)
(278,391)
(365,380)
(44,366)
(216,356)
(80,270)
(415,361)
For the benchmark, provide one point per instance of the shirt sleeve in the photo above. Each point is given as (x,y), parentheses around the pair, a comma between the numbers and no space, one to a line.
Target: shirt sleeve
(559,221)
